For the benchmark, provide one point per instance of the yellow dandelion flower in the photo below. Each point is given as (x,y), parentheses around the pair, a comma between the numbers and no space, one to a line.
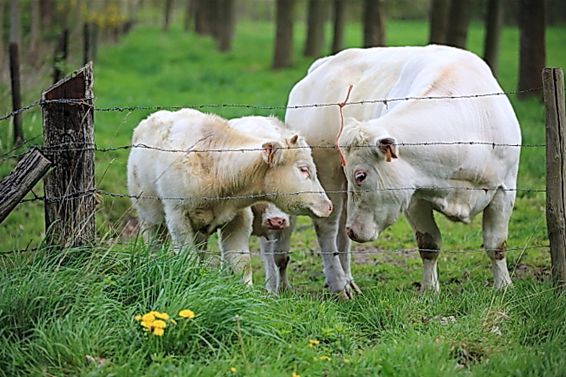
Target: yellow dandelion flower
(159,324)
(158,331)
(146,324)
(186,313)
(324,358)
(148,317)
(295,374)
(313,342)
(163,316)
(232,369)
(138,317)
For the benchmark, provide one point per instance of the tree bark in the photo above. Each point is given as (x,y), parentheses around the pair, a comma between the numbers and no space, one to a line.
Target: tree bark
(532,53)
(226,22)
(167,14)
(374,23)
(339,23)
(189,14)
(283,51)
(46,12)
(35,32)
(438,21)
(315,28)
(2,42)
(203,24)
(494,21)
(15,22)
(458,21)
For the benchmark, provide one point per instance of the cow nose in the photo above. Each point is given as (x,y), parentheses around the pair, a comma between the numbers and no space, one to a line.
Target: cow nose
(329,207)
(276,222)
(350,233)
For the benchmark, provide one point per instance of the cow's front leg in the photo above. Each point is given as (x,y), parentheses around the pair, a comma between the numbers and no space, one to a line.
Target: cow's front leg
(275,256)
(428,238)
(178,225)
(235,244)
(344,245)
(495,227)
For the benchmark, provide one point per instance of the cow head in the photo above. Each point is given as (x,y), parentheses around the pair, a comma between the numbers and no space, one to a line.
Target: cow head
(291,181)
(377,191)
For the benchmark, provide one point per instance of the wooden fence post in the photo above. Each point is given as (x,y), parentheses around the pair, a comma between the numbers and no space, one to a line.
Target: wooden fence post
(68,138)
(16,93)
(553,88)
(25,175)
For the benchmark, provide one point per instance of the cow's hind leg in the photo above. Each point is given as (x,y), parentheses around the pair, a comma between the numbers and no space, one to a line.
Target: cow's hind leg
(274,252)
(235,244)
(421,218)
(495,227)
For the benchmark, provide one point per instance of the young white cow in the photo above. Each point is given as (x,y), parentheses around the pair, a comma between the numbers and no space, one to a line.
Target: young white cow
(197,174)
(389,170)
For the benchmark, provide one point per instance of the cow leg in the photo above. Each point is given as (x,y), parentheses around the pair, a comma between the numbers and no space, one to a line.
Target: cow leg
(327,234)
(344,246)
(274,254)
(150,218)
(235,244)
(428,238)
(495,227)
(182,234)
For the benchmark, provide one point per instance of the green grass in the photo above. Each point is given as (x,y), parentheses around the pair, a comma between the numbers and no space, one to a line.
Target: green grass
(71,312)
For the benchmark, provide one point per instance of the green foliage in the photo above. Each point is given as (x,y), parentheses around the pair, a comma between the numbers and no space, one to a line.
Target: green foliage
(72,312)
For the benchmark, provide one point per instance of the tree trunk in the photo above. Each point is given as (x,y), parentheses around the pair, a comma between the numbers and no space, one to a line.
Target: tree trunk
(438,21)
(167,14)
(15,22)
(532,53)
(374,23)
(203,17)
(283,50)
(493,26)
(339,22)
(2,43)
(226,20)
(315,28)
(46,12)
(458,21)
(35,32)
(189,14)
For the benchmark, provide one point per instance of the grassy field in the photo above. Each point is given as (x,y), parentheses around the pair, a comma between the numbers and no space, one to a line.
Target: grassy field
(72,313)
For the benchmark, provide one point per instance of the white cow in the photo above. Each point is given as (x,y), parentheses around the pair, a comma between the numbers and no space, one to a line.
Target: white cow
(270,223)
(212,183)
(394,175)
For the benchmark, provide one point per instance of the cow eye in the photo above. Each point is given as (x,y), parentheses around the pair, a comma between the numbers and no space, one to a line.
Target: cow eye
(360,176)
(305,171)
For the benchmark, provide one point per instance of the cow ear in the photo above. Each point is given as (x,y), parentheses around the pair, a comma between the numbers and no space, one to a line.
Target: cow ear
(293,139)
(387,147)
(272,153)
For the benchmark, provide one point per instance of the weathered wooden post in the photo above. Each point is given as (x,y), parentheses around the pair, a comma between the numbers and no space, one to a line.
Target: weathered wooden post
(25,175)
(16,92)
(553,87)
(68,138)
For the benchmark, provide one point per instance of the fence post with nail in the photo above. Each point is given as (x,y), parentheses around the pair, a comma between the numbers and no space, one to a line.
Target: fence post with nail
(68,138)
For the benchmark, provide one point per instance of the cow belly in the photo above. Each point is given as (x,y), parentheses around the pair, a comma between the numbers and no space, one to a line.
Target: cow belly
(460,205)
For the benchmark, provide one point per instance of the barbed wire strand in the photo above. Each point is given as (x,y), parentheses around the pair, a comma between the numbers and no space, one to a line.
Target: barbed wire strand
(88,102)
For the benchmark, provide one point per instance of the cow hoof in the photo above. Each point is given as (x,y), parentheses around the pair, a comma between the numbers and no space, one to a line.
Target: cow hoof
(354,287)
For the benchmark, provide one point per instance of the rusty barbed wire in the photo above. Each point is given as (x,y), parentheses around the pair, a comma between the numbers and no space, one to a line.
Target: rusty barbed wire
(306,252)
(264,196)
(385,101)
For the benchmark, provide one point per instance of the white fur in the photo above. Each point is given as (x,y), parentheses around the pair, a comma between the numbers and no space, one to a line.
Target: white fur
(399,72)
(186,190)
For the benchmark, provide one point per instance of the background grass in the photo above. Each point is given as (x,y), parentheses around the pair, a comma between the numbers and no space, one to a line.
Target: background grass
(71,312)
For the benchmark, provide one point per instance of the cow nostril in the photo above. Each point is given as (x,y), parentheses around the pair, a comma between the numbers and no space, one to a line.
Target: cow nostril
(350,232)
(330,207)
(281,222)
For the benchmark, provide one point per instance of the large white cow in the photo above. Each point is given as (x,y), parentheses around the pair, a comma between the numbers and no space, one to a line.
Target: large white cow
(197,174)
(389,169)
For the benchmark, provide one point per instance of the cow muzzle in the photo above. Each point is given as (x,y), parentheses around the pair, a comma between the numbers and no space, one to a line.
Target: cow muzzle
(360,235)
(276,223)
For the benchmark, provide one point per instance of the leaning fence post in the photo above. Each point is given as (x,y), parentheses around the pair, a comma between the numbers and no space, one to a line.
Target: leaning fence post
(68,138)
(553,88)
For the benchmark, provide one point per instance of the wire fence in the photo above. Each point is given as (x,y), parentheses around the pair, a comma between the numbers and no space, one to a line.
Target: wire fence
(78,147)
